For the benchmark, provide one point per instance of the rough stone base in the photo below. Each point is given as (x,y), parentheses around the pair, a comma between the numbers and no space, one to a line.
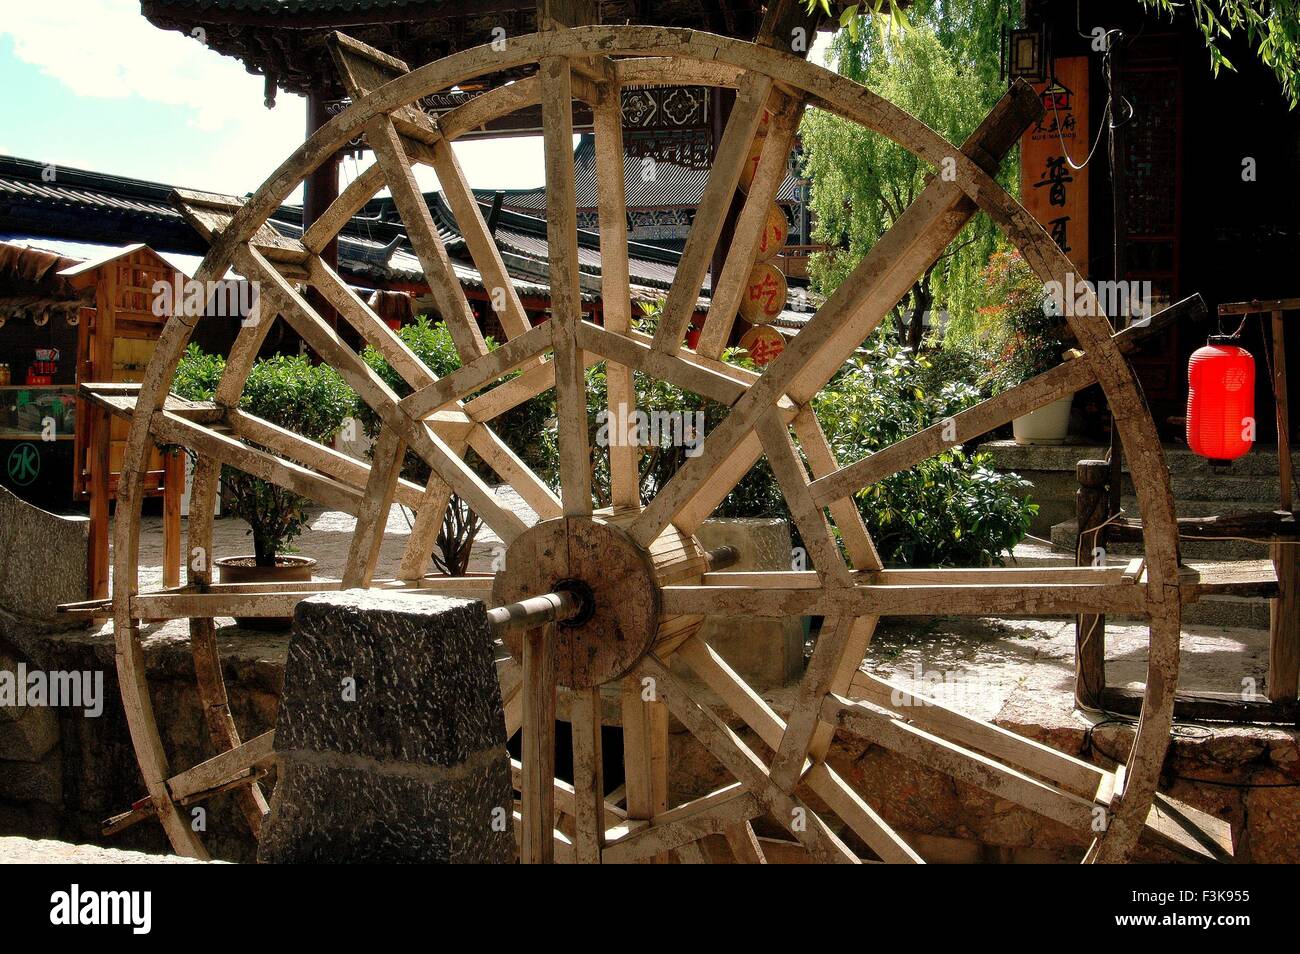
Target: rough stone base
(45,851)
(391,738)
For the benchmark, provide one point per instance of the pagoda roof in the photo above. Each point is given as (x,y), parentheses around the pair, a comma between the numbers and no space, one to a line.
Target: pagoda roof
(285,39)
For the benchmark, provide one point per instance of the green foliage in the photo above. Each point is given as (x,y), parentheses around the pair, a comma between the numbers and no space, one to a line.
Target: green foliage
(432,343)
(523,429)
(862,182)
(1272,27)
(949,510)
(1019,336)
(310,400)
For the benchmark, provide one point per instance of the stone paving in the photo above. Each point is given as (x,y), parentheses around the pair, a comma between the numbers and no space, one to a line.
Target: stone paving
(47,851)
(980,664)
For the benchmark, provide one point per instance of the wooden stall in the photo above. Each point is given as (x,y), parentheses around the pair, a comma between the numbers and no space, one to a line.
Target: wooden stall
(115,340)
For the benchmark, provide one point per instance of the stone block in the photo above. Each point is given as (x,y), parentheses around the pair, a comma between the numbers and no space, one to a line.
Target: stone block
(44,564)
(766,653)
(391,736)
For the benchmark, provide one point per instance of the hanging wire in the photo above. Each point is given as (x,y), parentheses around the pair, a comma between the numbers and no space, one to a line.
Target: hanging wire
(1107,123)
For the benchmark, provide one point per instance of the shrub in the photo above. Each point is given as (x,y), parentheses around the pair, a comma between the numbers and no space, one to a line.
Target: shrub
(1022,337)
(310,400)
(522,428)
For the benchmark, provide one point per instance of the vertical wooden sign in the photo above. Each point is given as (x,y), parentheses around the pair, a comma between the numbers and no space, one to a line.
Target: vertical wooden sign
(1054,192)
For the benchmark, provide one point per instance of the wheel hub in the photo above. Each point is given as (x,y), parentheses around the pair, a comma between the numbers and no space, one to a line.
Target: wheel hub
(616,580)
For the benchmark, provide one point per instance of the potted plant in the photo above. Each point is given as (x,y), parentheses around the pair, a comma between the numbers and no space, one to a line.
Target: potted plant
(1029,336)
(310,400)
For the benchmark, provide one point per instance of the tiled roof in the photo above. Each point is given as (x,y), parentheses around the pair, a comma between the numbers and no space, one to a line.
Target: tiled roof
(84,206)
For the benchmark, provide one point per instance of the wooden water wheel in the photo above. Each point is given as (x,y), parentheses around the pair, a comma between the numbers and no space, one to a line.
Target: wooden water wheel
(662,586)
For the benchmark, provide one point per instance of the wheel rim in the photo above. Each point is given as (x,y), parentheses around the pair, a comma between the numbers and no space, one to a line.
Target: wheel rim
(763,408)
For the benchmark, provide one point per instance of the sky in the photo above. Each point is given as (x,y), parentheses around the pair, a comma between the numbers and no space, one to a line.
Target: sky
(93,85)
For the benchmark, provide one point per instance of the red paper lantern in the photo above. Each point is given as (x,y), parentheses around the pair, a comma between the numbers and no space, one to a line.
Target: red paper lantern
(1221,401)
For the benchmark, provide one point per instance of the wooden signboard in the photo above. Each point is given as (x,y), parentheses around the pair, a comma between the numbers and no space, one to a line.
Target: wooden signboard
(763,343)
(765,294)
(775,233)
(1050,188)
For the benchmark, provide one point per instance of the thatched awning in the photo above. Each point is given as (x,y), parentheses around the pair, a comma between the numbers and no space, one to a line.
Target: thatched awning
(30,283)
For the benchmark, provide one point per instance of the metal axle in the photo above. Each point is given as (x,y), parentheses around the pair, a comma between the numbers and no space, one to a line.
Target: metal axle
(566,604)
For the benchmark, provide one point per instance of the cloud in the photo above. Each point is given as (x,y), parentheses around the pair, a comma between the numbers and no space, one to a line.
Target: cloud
(106,50)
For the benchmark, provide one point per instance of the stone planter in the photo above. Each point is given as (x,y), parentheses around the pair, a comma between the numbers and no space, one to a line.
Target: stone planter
(244,569)
(1050,424)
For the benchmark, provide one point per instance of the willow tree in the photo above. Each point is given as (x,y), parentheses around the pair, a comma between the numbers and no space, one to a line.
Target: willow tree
(861,182)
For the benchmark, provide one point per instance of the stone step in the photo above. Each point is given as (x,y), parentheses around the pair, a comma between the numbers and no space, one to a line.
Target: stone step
(1261,462)
(1215,610)
(1200,507)
(1065,536)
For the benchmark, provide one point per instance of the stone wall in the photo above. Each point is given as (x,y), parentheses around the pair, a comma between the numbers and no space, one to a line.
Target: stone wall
(42,564)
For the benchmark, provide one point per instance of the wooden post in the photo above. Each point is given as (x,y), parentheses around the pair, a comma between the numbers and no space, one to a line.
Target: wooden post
(319,190)
(537,842)
(97,464)
(1284,612)
(1092,509)
(173,487)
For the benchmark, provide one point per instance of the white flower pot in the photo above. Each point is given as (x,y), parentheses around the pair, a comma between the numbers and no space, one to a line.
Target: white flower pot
(1049,424)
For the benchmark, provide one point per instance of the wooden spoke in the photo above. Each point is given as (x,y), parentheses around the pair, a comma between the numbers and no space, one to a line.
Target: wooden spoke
(773,164)
(452,303)
(814,530)
(713,670)
(170,429)
(424,532)
(616,295)
(482,247)
(339,212)
(706,227)
(588,779)
(963,764)
(222,769)
(729,749)
(971,599)
(822,461)
(634,353)
(334,464)
(566,303)
(372,515)
(744,844)
(473,376)
(373,329)
(645,754)
(507,465)
(673,830)
(538,791)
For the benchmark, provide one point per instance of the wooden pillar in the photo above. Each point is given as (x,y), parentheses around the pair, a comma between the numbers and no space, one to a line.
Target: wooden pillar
(318,191)
(1092,507)
(722,100)
(173,487)
(1116,156)
(1284,612)
(537,797)
(97,485)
